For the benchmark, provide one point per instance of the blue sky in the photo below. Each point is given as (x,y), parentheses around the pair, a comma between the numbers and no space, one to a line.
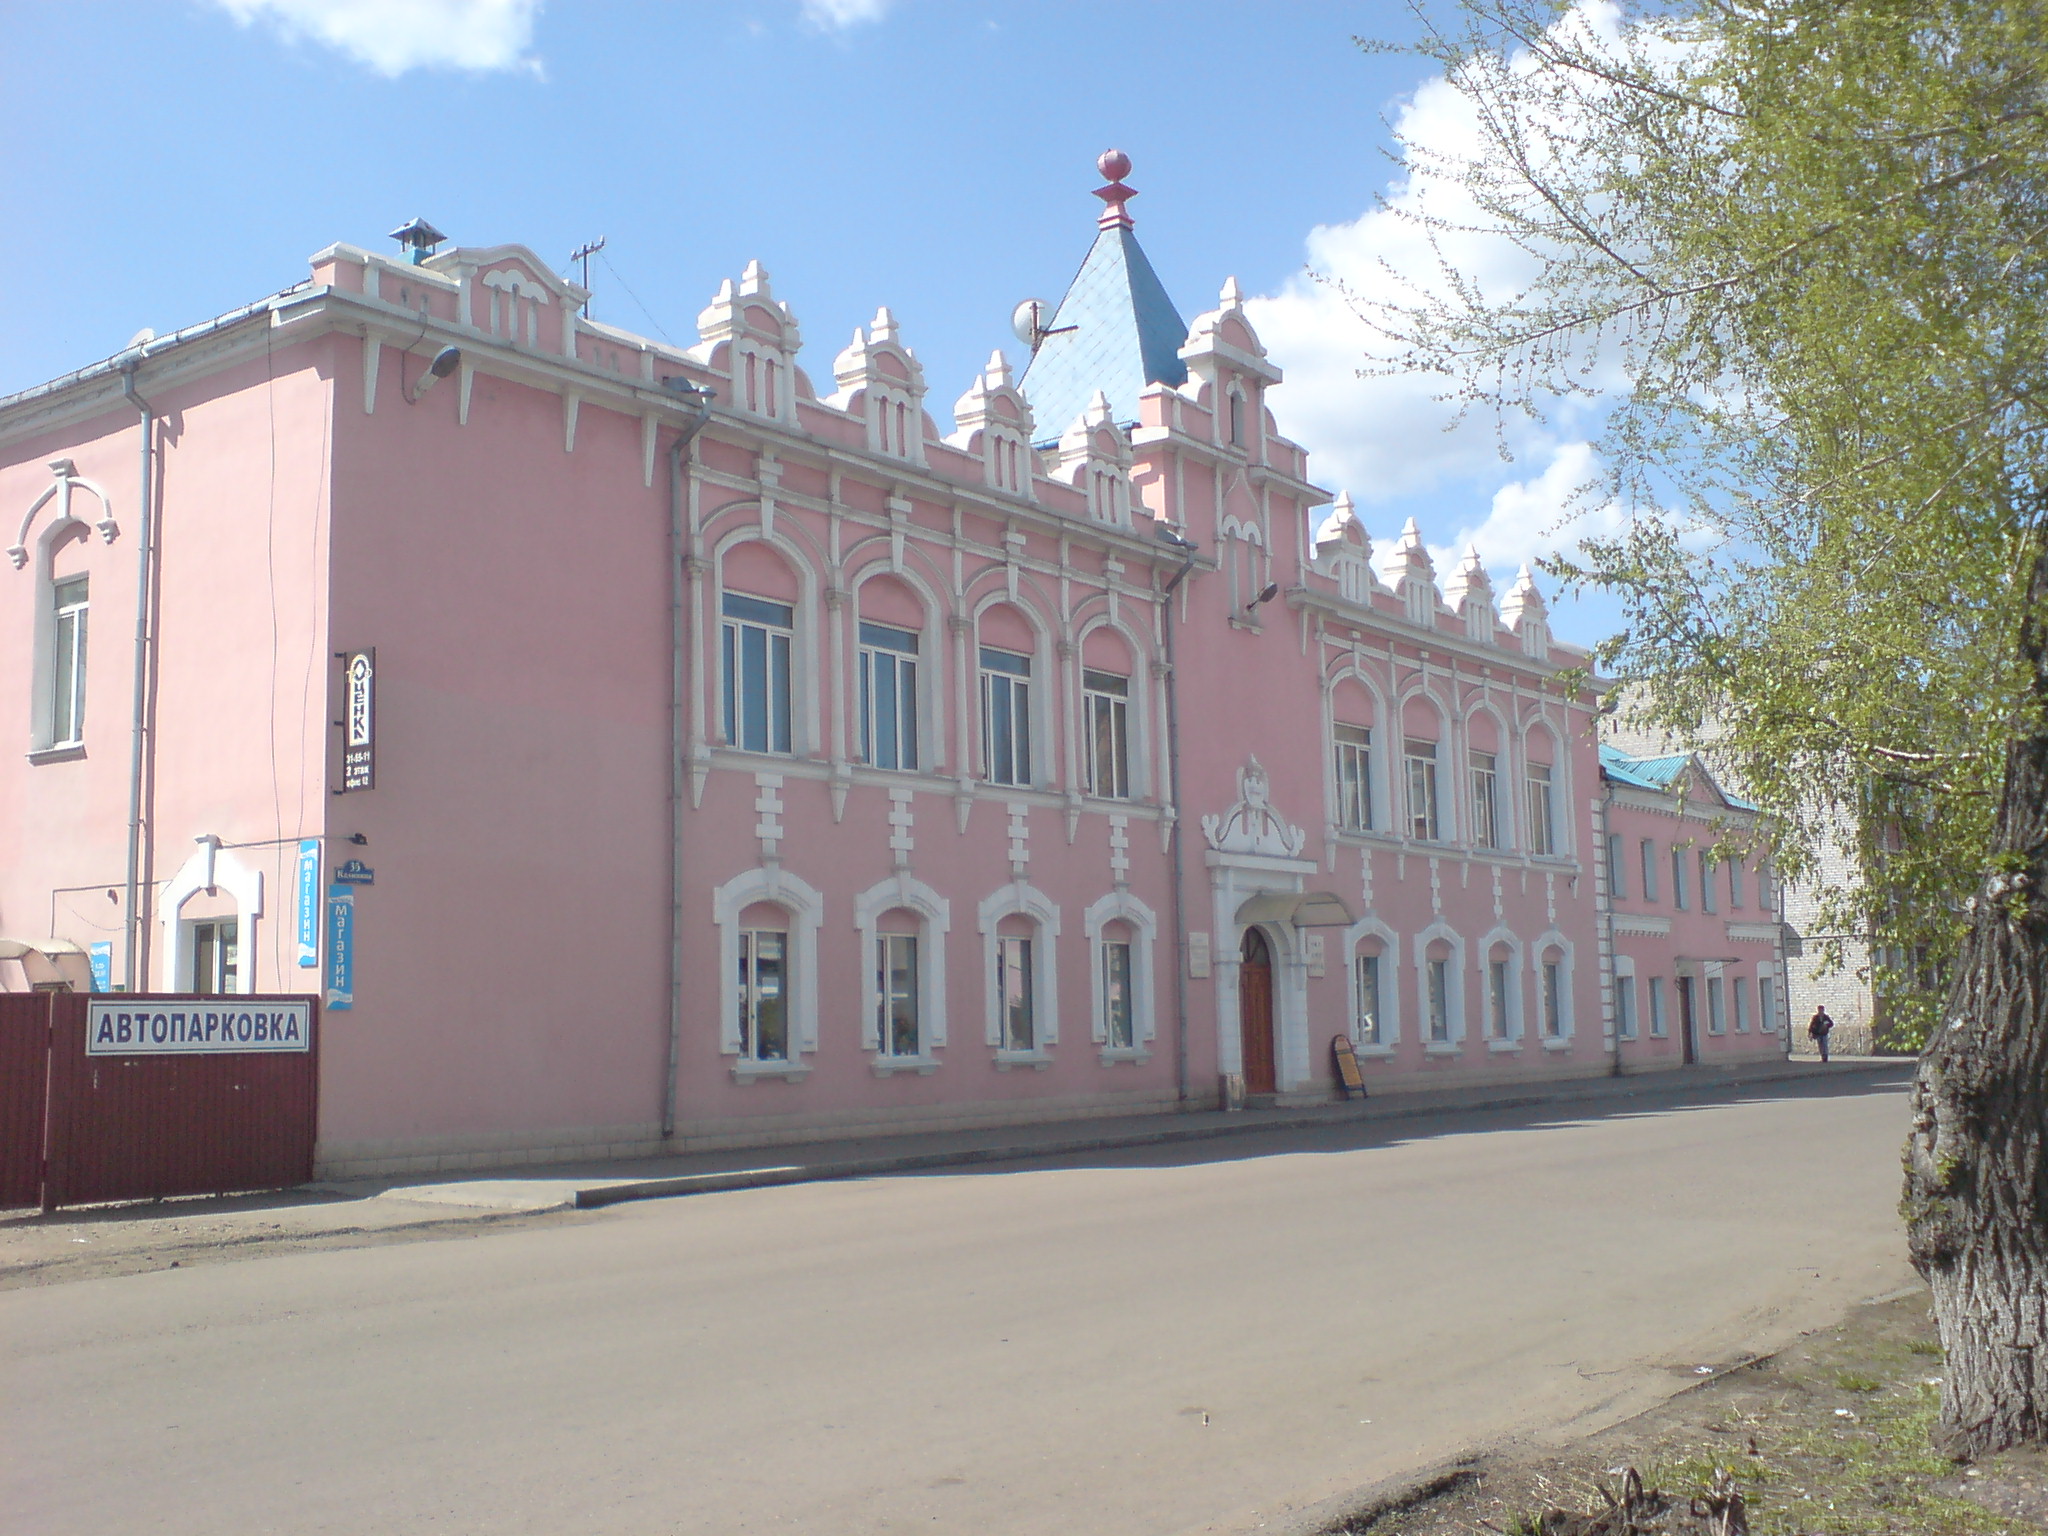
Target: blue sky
(170,159)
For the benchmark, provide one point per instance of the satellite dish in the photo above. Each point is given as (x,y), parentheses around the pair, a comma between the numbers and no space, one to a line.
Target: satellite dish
(1028,321)
(146,334)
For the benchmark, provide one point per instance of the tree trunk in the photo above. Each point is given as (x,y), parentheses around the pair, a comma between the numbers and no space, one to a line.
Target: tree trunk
(1976,1201)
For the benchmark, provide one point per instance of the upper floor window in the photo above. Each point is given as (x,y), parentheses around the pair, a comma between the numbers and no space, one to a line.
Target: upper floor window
(763,994)
(1005,716)
(1735,882)
(67,655)
(1678,878)
(1106,701)
(1542,810)
(1617,883)
(756,670)
(1485,800)
(1423,821)
(1649,870)
(1706,881)
(1354,777)
(888,695)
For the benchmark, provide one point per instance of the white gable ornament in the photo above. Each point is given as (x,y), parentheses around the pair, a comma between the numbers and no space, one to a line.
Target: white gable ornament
(1253,826)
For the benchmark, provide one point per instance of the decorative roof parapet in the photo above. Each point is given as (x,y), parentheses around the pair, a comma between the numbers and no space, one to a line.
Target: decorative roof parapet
(1412,575)
(1526,617)
(1094,455)
(1469,594)
(995,423)
(881,379)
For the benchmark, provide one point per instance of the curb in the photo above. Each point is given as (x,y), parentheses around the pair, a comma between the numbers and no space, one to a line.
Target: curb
(678,1185)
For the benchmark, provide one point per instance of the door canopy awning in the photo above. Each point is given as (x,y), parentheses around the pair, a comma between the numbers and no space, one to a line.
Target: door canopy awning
(1316,909)
(16,949)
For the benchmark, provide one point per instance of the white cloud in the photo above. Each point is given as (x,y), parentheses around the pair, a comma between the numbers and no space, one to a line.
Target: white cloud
(842,15)
(1535,516)
(393,36)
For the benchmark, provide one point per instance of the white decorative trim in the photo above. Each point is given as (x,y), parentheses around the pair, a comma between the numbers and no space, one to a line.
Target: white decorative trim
(212,867)
(1122,906)
(1390,984)
(903,891)
(1454,976)
(1567,986)
(1019,899)
(1252,825)
(806,909)
(1517,1014)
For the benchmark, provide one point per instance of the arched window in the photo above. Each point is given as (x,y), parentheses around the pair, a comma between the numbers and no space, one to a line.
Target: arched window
(1020,930)
(902,924)
(1107,701)
(889,672)
(1551,958)
(1008,664)
(768,922)
(1502,952)
(1120,931)
(1489,825)
(757,650)
(1545,829)
(1422,750)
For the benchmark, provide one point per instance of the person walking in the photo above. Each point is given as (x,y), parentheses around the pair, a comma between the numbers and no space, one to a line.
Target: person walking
(1818,1028)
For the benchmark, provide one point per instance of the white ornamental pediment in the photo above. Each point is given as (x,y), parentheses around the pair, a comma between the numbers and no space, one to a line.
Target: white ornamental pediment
(1252,825)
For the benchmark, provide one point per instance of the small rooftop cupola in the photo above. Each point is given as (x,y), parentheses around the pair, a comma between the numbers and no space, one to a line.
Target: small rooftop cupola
(417,239)
(1116,331)
(1469,593)
(881,379)
(1344,550)
(1226,361)
(1526,617)
(753,337)
(1413,575)
(1095,455)
(995,425)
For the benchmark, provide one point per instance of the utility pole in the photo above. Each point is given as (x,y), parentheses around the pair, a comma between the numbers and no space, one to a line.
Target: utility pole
(583,253)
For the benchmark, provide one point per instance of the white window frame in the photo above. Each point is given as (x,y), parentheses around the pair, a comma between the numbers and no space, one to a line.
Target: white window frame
(1454,988)
(1121,906)
(1372,931)
(212,868)
(1486,827)
(225,979)
(1649,862)
(1627,1005)
(746,982)
(69,630)
(1767,1003)
(992,680)
(1115,703)
(934,914)
(1738,989)
(1617,868)
(1707,902)
(732,706)
(1568,970)
(883,654)
(804,908)
(1540,784)
(1678,902)
(1352,766)
(1424,822)
(1502,938)
(1018,899)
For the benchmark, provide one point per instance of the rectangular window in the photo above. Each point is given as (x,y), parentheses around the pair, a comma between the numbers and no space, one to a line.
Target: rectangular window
(1354,778)
(1485,800)
(1735,882)
(1013,993)
(1617,873)
(216,957)
(1106,707)
(1542,810)
(1497,998)
(1368,972)
(1439,972)
(1117,1009)
(1767,1004)
(1740,988)
(1765,897)
(755,669)
(1706,881)
(1678,878)
(1005,716)
(67,681)
(896,1020)
(1649,870)
(1423,824)
(1553,999)
(764,1002)
(1717,1017)
(1657,1006)
(1625,1007)
(888,695)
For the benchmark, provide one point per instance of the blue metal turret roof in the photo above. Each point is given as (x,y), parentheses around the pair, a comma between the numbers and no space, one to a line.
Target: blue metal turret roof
(1126,336)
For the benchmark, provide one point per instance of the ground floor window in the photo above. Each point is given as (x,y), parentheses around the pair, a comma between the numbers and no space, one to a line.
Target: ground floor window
(1625,1007)
(896,1020)
(1767,1004)
(1013,989)
(1438,974)
(1118,1014)
(1367,1031)
(764,994)
(1717,1018)
(1657,1006)
(216,957)
(1497,999)
(1553,999)
(1739,988)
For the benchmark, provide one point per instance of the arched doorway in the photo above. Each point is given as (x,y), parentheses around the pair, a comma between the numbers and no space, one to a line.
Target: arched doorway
(1255,1012)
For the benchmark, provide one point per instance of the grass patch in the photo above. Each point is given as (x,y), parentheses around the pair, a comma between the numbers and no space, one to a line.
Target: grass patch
(1857,1381)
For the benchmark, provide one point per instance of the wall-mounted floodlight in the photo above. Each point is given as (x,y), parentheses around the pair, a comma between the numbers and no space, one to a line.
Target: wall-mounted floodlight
(445,362)
(1272,591)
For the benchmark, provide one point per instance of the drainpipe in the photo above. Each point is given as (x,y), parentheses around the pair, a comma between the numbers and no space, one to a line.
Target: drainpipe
(134,966)
(699,401)
(1180,916)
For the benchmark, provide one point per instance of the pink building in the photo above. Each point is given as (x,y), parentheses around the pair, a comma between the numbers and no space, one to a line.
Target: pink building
(652,748)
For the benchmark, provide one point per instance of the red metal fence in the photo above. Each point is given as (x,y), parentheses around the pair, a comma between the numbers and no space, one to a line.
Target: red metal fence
(138,1123)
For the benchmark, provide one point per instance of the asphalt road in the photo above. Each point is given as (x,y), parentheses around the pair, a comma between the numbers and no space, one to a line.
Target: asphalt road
(1198,1338)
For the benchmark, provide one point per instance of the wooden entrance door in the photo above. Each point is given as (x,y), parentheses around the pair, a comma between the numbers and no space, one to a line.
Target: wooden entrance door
(1255,1012)
(1688,1026)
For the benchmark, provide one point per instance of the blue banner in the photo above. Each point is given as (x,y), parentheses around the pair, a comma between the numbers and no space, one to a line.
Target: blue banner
(102,957)
(341,948)
(309,901)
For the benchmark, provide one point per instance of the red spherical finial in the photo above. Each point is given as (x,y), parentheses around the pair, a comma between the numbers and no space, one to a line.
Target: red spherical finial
(1114,164)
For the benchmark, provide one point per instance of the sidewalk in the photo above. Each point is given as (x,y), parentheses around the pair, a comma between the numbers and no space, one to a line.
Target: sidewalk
(130,1239)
